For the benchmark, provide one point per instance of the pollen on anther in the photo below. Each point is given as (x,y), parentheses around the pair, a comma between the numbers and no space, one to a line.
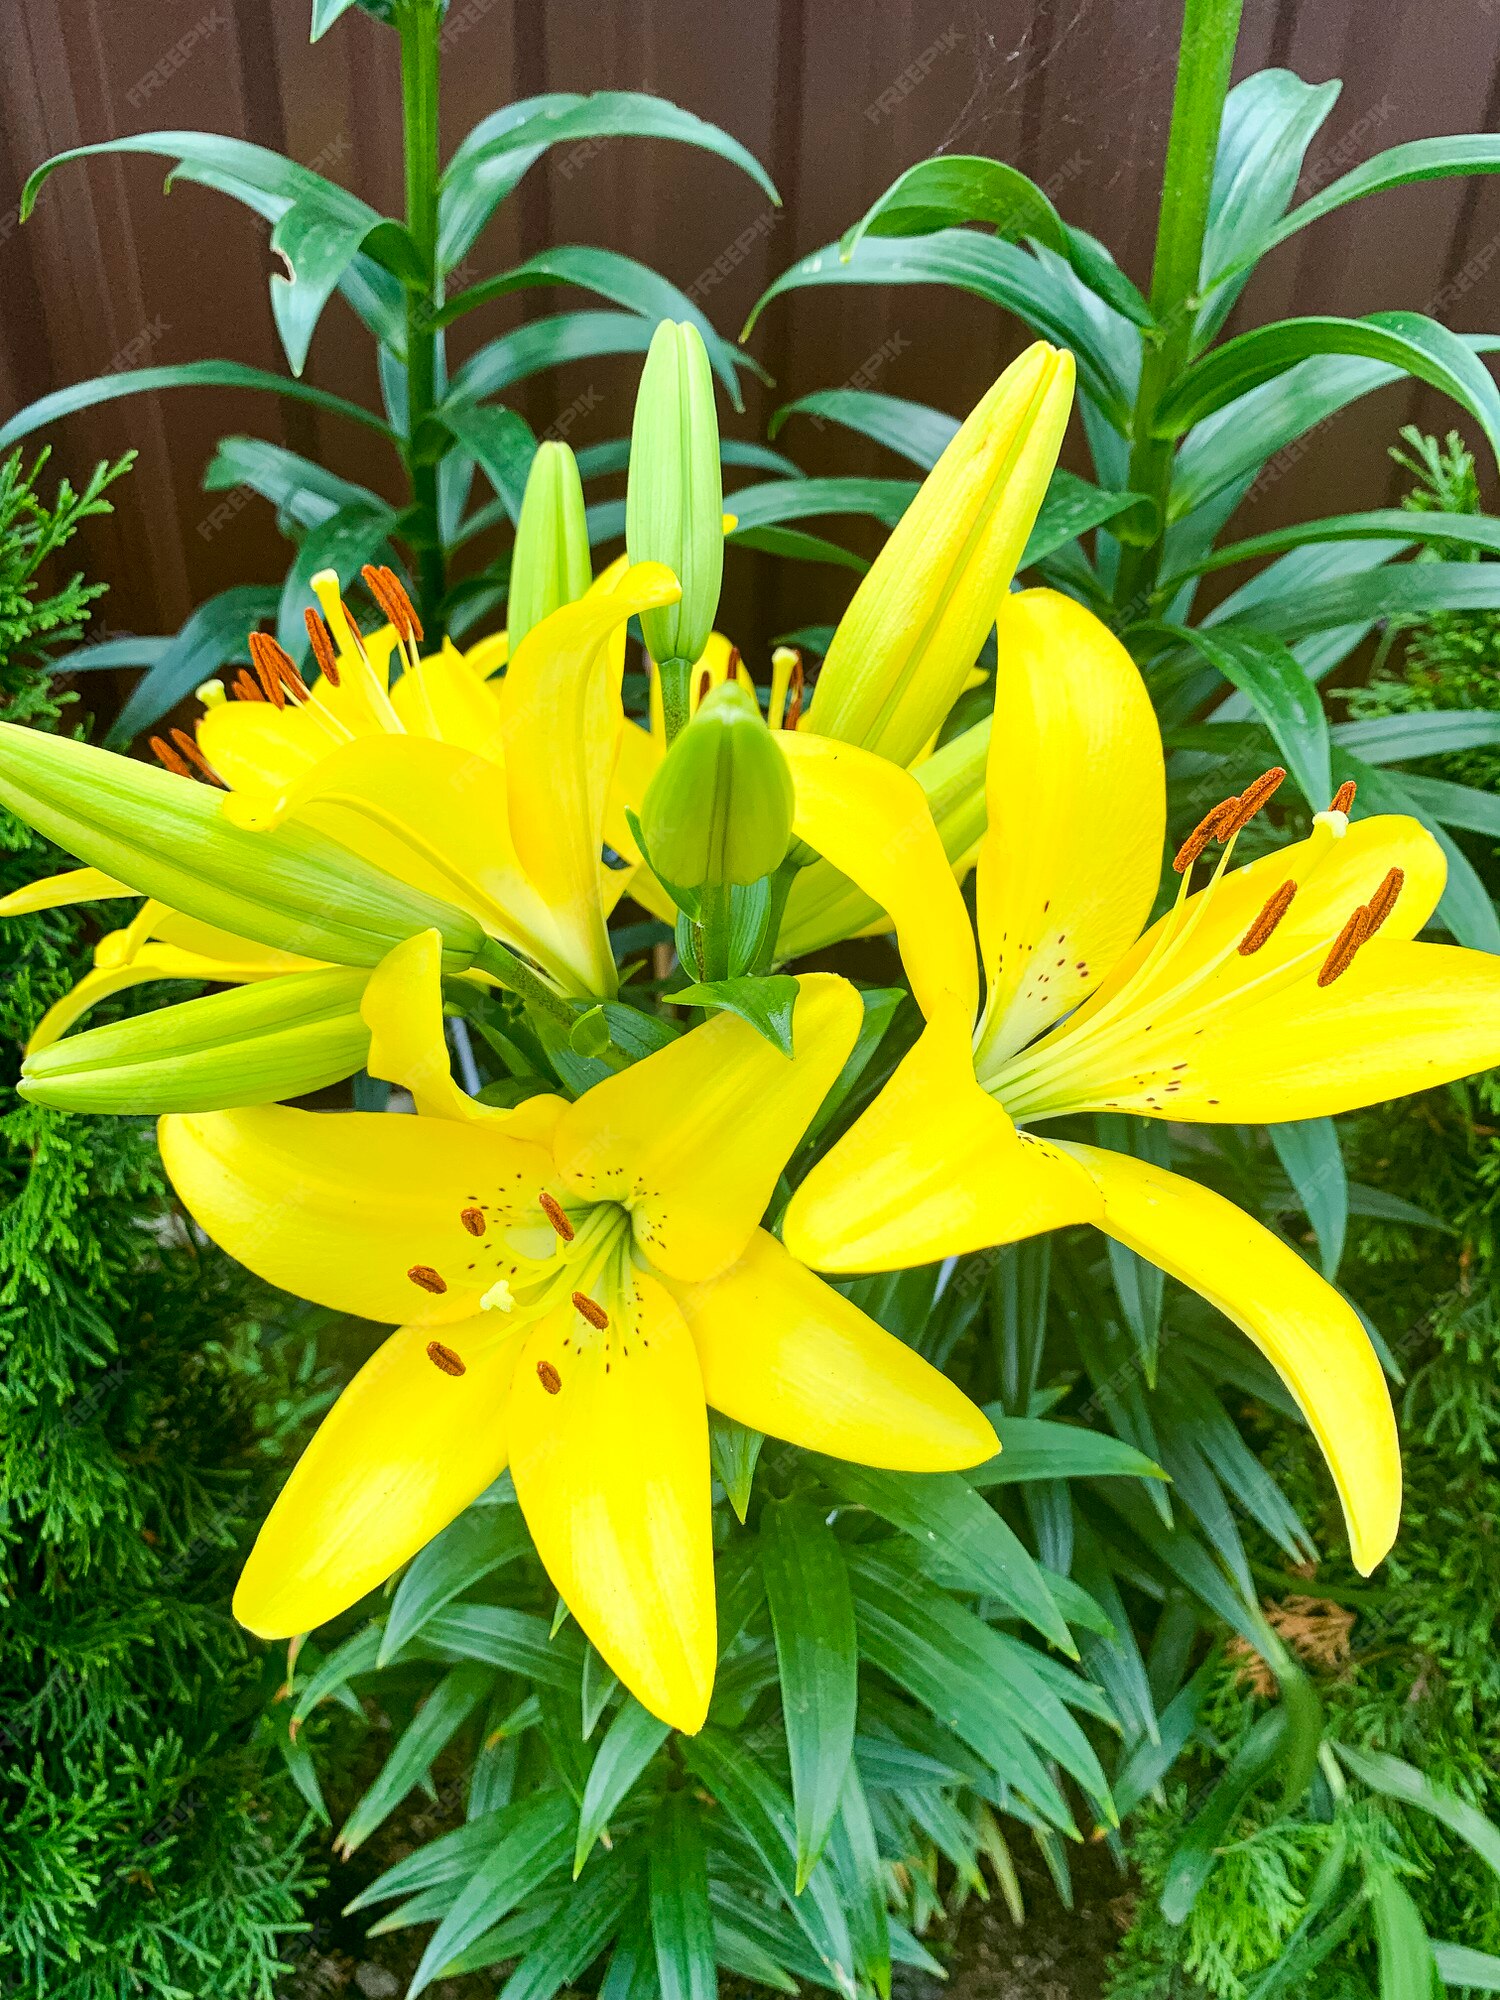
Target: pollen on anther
(266,657)
(1345,945)
(188,746)
(445,1358)
(591,1310)
(548,1376)
(1206,830)
(1252,799)
(428,1280)
(1384,900)
(473,1220)
(1343,798)
(553,1210)
(169,758)
(321,640)
(1276,907)
(794,691)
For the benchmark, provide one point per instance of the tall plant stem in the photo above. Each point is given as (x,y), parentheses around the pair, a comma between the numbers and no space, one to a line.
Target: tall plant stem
(1210,29)
(417,21)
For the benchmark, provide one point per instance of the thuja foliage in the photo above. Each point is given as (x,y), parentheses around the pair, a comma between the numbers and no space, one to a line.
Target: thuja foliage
(143,1852)
(1406,1665)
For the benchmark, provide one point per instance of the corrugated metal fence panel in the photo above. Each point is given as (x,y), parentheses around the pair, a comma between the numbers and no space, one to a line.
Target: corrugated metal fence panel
(836,96)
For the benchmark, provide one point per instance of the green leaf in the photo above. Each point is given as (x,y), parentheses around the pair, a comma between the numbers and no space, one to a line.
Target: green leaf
(127,652)
(1268,123)
(1309,1150)
(884,500)
(1402,1949)
(624,281)
(345,542)
(1271,678)
(1193,1858)
(766,1004)
(956,188)
(490,162)
(916,431)
(1398,590)
(817,1655)
(479,1542)
(1386,739)
(583,1926)
(1034,1448)
(1392,1778)
(506,1638)
(992,270)
(324,14)
(1420,347)
(681,1922)
(1478,531)
(734,1449)
(1458,1965)
(1417,160)
(854,1852)
(301,491)
(949,1520)
(1072,507)
(763,1813)
(1150,1761)
(1453,805)
(795,545)
(500,441)
(549,343)
(537,1839)
(355,1656)
(629,1744)
(179,375)
(318,228)
(215,635)
(429,1732)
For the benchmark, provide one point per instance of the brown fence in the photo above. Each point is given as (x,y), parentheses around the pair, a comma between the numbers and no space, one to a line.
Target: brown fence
(836,96)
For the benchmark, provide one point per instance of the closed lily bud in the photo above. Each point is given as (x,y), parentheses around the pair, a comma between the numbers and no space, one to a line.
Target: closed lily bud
(674,504)
(257,1044)
(719,808)
(164,836)
(550,564)
(917,622)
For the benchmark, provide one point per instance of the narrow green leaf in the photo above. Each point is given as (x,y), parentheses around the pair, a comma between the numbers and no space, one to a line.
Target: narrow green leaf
(479,1542)
(1034,1448)
(681,1922)
(1402,1949)
(537,1840)
(765,1003)
(1393,1778)
(817,1655)
(1476,531)
(1458,1965)
(1271,678)
(214,636)
(506,1638)
(629,1744)
(429,1732)
(583,1926)
(500,441)
(1309,1150)
(916,431)
(549,343)
(734,1448)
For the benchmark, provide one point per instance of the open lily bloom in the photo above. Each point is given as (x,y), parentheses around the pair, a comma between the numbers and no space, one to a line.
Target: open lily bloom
(577,1285)
(1291,988)
(905,650)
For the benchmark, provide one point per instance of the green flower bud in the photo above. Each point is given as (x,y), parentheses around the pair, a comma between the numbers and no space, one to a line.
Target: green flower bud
(674,504)
(257,1044)
(550,564)
(166,837)
(915,625)
(719,808)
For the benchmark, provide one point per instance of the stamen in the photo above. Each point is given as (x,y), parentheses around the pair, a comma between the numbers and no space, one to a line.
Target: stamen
(591,1310)
(705,682)
(548,1376)
(794,696)
(321,640)
(444,1358)
(1383,901)
(732,671)
(1343,798)
(1275,909)
(389,593)
(265,667)
(1253,798)
(1345,945)
(189,748)
(473,1220)
(246,689)
(552,1209)
(165,754)
(427,1278)
(1206,830)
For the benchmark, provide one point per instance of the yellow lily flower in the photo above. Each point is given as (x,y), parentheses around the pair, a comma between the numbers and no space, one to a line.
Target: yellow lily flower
(577,1285)
(1268,995)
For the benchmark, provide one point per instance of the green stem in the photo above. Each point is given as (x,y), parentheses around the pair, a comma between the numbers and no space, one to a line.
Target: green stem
(418,23)
(716,917)
(1210,29)
(518,978)
(676,696)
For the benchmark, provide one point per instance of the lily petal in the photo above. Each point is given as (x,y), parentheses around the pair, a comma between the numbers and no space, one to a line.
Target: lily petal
(257,748)
(1404,1017)
(695,1137)
(609,1452)
(872,821)
(1310,1334)
(560,716)
(785,1353)
(933,1168)
(403,1008)
(402,1452)
(1076,787)
(56,892)
(445,698)
(343,1207)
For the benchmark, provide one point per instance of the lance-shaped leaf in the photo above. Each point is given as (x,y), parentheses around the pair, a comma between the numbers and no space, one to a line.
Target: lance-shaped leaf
(478,1543)
(681,1920)
(345,542)
(916,431)
(629,1744)
(300,490)
(257,1044)
(166,837)
(1272,679)
(212,637)
(425,1737)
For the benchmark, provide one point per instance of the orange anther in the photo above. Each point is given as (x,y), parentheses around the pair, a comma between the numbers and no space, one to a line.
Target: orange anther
(1206,830)
(591,1310)
(165,754)
(189,748)
(1384,900)
(1252,799)
(1343,798)
(1345,945)
(321,640)
(553,1210)
(1275,909)
(263,651)
(445,1358)
(473,1220)
(794,689)
(429,1280)
(548,1376)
